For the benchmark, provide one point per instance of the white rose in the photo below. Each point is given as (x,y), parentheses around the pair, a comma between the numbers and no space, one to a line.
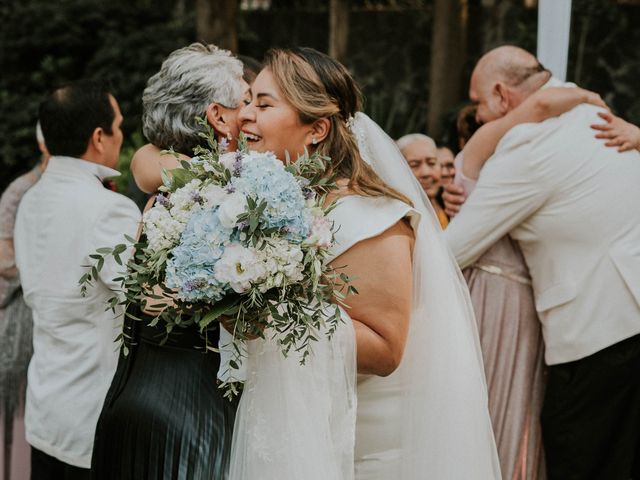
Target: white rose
(231,207)
(239,267)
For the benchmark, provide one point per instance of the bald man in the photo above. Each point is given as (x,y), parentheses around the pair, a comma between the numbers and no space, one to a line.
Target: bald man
(572,204)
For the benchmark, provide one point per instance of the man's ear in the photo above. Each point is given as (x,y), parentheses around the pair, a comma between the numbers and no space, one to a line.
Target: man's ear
(217,116)
(503,94)
(319,131)
(96,141)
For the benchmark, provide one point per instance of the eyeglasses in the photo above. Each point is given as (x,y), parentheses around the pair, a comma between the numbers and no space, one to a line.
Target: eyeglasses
(520,75)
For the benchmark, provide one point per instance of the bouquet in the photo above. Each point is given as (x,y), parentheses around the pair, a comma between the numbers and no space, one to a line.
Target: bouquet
(238,237)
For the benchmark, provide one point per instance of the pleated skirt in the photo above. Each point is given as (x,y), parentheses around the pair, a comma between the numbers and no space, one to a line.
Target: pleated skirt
(164,417)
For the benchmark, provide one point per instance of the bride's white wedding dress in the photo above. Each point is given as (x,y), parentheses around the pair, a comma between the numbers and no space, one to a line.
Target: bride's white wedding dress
(428,420)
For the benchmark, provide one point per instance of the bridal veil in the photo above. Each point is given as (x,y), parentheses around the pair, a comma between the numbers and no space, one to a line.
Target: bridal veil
(446,432)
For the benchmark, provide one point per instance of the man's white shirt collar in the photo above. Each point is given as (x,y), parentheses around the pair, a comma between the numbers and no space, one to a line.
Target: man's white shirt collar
(95,169)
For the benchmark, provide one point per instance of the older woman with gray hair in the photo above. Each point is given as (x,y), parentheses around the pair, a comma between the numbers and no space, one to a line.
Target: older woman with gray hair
(164,416)
(195,81)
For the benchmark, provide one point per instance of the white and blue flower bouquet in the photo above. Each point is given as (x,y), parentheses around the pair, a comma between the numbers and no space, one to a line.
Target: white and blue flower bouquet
(238,237)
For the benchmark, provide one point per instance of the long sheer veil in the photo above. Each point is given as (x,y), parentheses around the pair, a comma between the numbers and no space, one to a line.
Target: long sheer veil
(447,431)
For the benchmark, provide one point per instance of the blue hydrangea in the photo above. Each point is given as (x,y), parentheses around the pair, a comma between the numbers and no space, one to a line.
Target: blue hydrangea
(190,271)
(265,178)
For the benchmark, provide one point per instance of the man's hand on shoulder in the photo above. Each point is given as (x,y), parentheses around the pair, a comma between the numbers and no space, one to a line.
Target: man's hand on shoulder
(453,196)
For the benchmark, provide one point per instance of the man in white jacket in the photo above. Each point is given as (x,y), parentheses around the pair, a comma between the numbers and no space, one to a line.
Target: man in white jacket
(63,219)
(572,204)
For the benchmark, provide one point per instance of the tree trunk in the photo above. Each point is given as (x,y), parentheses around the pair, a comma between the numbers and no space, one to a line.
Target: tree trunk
(448,53)
(216,23)
(339,29)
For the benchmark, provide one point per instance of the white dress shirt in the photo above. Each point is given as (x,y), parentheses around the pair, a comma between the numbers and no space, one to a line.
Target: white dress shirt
(572,204)
(64,218)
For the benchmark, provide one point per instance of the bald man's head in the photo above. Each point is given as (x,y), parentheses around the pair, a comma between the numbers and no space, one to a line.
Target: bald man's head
(502,79)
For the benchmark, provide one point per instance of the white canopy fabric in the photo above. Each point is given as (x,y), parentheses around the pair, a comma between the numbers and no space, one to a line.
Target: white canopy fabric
(554,24)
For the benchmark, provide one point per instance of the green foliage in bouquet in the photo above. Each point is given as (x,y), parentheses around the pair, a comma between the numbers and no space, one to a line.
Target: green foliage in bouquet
(240,238)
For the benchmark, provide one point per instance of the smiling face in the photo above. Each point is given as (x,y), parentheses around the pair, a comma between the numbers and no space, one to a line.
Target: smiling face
(422,157)
(271,123)
(447,168)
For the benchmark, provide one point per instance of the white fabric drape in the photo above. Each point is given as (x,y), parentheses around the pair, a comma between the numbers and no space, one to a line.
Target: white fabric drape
(554,24)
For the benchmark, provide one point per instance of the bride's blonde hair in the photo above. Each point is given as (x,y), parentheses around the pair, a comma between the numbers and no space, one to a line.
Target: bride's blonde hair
(317,87)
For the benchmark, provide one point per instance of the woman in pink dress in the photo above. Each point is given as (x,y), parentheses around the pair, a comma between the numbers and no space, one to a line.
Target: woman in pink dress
(15,332)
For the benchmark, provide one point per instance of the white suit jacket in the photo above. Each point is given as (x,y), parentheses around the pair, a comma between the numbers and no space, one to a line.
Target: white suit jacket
(574,206)
(65,217)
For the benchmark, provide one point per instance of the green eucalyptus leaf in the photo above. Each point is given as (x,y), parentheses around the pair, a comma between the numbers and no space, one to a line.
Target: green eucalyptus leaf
(223,307)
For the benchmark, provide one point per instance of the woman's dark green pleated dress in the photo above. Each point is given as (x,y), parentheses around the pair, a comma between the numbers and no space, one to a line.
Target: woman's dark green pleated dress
(164,417)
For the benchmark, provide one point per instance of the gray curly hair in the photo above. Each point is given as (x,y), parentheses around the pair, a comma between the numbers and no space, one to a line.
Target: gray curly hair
(190,79)
(405,141)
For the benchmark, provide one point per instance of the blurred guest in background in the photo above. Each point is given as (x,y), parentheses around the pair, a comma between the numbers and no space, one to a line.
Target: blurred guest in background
(16,326)
(447,173)
(466,125)
(421,154)
(61,220)
(447,168)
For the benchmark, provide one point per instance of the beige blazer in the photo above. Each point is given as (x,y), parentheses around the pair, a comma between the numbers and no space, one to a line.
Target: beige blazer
(574,206)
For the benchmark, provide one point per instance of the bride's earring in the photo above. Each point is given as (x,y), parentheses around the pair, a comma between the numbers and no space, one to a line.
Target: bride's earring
(314,141)
(229,136)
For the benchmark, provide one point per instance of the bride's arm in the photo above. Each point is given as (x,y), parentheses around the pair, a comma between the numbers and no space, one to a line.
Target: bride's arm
(544,104)
(147,164)
(382,272)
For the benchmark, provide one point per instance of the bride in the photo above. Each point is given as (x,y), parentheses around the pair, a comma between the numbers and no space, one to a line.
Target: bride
(409,334)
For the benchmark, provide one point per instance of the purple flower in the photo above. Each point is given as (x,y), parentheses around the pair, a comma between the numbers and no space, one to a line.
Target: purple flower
(162,200)
(194,284)
(223,145)
(308,194)
(196,197)
(237,167)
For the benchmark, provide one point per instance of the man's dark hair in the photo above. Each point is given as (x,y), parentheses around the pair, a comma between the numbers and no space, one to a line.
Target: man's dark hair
(70,115)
